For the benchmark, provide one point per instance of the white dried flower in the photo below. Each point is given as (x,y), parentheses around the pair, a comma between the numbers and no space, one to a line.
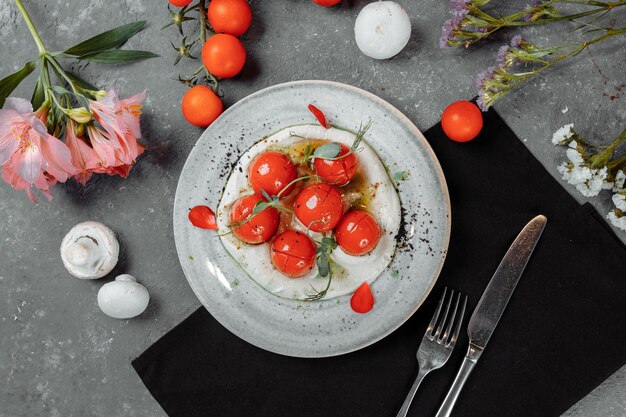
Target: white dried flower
(573,154)
(617,221)
(563,134)
(620,178)
(620,201)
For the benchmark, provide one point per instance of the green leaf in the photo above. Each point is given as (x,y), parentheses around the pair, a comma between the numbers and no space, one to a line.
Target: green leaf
(114,56)
(323,266)
(60,90)
(110,39)
(329,150)
(38,96)
(82,83)
(259,207)
(10,82)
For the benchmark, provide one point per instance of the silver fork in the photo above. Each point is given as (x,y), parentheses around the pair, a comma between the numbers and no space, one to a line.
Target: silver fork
(436,347)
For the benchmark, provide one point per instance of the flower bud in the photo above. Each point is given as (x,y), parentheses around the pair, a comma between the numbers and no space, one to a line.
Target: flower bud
(80,115)
(100,94)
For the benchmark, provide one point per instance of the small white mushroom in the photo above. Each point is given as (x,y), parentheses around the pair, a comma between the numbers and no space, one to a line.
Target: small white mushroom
(123,298)
(90,250)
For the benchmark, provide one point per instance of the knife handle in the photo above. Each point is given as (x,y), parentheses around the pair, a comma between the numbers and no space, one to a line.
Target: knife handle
(466,368)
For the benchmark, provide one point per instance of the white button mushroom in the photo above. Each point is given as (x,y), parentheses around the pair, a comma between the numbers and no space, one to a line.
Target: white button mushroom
(90,250)
(123,298)
(382,29)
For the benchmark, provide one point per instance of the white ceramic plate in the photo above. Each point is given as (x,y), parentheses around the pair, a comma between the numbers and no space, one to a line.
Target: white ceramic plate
(326,327)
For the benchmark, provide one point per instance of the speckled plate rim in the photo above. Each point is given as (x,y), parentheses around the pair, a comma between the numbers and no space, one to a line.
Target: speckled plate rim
(417,134)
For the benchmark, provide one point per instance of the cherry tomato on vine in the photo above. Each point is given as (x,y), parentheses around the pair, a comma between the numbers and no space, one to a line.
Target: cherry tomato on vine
(319,207)
(357,233)
(223,55)
(293,253)
(201,106)
(258,229)
(180,3)
(326,3)
(229,16)
(271,172)
(462,121)
(339,171)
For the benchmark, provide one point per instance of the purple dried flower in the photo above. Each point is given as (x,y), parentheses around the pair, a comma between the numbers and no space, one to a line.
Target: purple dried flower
(480,102)
(516,41)
(459,7)
(482,29)
(531,16)
(447,30)
(501,55)
(482,76)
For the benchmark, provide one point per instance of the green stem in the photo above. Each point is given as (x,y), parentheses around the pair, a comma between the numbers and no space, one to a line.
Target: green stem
(31,28)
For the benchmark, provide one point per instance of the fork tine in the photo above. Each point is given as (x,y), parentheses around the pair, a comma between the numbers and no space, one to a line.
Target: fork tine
(433,322)
(446,334)
(457,329)
(445,315)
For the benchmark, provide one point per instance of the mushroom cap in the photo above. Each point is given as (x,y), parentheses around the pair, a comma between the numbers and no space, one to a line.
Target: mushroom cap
(123,298)
(89,250)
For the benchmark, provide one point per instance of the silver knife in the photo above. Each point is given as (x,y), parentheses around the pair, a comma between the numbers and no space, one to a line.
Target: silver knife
(492,305)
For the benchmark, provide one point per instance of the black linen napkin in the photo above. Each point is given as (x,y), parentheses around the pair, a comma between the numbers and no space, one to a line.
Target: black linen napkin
(561,335)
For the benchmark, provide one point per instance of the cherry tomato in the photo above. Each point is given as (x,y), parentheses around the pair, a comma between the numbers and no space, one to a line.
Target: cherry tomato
(357,233)
(223,55)
(293,253)
(319,207)
(362,300)
(201,106)
(340,171)
(260,228)
(327,3)
(229,16)
(462,121)
(271,171)
(180,3)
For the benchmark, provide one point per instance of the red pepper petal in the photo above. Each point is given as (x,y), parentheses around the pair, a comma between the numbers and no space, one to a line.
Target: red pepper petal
(319,116)
(203,217)
(362,300)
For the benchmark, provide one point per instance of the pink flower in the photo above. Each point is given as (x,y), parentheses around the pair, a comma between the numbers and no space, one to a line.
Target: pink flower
(120,120)
(84,157)
(28,154)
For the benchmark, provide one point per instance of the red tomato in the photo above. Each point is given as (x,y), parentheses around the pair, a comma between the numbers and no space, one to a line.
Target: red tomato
(319,207)
(362,300)
(327,3)
(293,253)
(357,233)
(229,16)
(260,228)
(180,3)
(340,171)
(462,121)
(203,217)
(223,55)
(201,106)
(271,171)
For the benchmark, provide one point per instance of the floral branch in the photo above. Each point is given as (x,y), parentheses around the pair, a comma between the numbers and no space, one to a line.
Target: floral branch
(498,80)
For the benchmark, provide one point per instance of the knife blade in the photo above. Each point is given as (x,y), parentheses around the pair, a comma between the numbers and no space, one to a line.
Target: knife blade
(492,303)
(499,290)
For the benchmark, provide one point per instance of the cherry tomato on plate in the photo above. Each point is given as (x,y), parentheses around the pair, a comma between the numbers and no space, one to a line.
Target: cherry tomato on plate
(223,55)
(180,3)
(260,228)
(201,106)
(271,171)
(229,16)
(326,3)
(357,233)
(293,253)
(338,171)
(462,121)
(319,207)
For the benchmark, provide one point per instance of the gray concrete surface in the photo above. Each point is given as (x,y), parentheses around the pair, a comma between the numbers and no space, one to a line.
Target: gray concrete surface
(59,355)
